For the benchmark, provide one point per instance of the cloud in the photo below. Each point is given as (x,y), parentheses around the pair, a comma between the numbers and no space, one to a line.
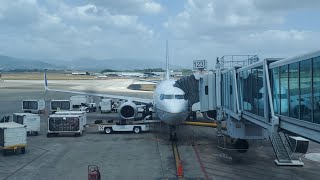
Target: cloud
(286,5)
(28,13)
(132,7)
(211,28)
(54,29)
(281,42)
(206,17)
(201,29)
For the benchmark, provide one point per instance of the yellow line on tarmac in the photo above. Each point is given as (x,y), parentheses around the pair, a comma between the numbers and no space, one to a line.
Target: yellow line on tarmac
(214,125)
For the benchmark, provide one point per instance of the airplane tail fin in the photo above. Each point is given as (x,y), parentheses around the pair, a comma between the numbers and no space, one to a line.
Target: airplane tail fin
(45,80)
(167,62)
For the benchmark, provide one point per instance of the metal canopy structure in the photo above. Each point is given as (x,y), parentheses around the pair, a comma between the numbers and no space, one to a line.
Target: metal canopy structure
(254,99)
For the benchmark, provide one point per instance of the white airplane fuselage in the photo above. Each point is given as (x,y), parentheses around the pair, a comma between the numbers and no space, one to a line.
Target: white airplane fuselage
(170,103)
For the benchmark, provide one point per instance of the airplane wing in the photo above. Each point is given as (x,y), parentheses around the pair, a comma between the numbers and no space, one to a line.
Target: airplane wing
(133,99)
(150,81)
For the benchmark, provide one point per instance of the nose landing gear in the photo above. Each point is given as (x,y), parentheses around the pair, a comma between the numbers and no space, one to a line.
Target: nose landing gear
(173,134)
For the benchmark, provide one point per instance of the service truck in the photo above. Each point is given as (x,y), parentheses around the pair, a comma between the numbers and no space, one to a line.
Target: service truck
(76,101)
(90,107)
(33,105)
(65,124)
(13,136)
(59,105)
(31,121)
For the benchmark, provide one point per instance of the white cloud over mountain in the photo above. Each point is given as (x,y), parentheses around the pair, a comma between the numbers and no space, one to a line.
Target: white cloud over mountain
(202,29)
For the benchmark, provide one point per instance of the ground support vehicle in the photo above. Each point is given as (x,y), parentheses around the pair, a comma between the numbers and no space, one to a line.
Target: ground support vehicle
(81,114)
(77,100)
(65,124)
(59,105)
(33,106)
(91,107)
(31,121)
(93,172)
(13,137)
(106,105)
(128,126)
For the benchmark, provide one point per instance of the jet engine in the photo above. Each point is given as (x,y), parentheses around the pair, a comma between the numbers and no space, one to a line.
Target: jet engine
(128,111)
(210,115)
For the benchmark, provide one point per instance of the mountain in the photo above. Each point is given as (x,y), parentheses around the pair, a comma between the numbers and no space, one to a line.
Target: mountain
(83,64)
(116,64)
(8,63)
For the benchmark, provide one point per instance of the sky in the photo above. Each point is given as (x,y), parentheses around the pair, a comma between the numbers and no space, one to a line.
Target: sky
(195,29)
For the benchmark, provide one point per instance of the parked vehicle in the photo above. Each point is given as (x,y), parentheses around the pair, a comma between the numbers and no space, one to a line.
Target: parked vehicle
(13,137)
(91,107)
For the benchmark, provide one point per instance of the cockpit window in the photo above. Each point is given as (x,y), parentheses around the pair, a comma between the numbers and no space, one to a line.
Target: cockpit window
(179,96)
(161,96)
(171,96)
(168,96)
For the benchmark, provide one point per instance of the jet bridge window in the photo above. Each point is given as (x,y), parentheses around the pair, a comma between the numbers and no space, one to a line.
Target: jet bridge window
(316,90)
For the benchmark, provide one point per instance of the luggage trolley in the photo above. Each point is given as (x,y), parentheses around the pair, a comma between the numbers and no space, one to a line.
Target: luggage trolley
(93,172)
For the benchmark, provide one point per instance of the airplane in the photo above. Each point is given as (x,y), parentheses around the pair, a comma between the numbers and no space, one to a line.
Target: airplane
(169,102)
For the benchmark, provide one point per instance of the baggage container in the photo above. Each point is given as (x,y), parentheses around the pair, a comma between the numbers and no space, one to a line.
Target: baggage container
(105,105)
(31,121)
(82,114)
(33,105)
(76,101)
(13,136)
(66,124)
(59,105)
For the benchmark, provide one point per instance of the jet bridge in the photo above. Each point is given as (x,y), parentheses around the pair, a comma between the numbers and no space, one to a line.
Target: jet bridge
(201,93)
(254,99)
(275,98)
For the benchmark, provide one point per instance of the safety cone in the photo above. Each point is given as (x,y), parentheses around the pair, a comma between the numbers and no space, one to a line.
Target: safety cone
(180,170)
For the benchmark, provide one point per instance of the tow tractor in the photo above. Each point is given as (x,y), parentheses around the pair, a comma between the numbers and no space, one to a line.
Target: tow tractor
(130,126)
(91,107)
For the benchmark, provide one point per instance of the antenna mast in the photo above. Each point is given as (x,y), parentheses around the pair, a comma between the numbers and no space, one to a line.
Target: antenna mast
(167,62)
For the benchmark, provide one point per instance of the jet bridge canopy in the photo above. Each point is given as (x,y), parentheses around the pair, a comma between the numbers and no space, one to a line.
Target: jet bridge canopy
(288,89)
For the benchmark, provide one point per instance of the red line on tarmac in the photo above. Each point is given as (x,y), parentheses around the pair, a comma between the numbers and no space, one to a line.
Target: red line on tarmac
(200,162)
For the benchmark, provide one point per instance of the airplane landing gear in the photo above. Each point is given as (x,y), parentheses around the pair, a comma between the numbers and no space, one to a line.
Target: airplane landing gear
(173,134)
(242,145)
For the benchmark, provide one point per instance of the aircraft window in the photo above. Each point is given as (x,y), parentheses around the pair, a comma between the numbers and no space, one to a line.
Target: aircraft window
(168,96)
(179,96)
(161,96)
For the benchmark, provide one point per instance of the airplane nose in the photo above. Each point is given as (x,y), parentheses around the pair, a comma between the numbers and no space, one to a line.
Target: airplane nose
(176,107)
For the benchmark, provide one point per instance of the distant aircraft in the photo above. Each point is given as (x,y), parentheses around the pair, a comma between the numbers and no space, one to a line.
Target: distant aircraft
(169,102)
(1,78)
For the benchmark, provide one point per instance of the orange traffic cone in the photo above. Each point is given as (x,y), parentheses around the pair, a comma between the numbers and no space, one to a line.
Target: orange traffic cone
(180,170)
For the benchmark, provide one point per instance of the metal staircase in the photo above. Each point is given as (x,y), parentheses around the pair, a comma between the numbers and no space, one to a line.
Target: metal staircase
(283,151)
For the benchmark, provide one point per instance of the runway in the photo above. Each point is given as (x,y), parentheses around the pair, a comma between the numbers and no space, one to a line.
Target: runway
(128,155)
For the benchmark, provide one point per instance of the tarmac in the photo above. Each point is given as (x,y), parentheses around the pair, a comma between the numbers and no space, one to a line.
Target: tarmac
(128,155)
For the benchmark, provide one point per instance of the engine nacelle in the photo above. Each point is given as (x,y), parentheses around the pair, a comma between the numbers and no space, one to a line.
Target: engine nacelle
(128,110)
(210,115)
